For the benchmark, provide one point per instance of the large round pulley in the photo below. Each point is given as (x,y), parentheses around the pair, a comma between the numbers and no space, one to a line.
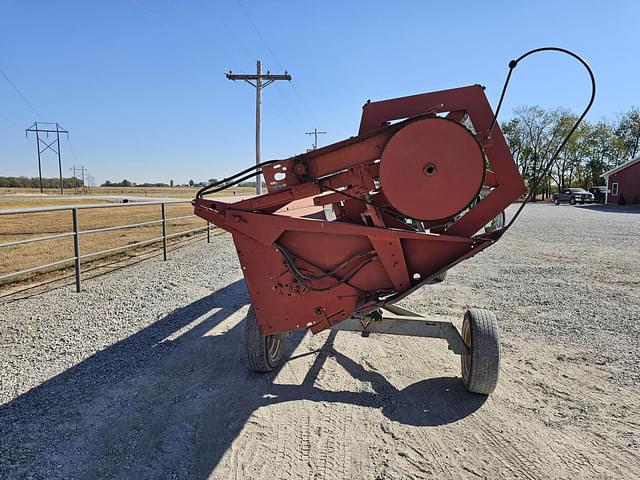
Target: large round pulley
(432,169)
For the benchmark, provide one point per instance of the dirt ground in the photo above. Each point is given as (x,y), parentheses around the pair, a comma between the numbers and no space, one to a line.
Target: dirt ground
(143,375)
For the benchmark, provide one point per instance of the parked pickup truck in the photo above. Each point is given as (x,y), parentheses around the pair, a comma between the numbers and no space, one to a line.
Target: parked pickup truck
(599,193)
(573,196)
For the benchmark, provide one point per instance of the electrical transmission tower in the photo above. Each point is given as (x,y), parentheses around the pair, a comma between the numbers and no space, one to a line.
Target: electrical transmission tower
(259,81)
(82,170)
(46,128)
(75,177)
(315,134)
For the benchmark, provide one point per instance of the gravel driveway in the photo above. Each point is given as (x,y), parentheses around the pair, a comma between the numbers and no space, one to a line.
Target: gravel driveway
(142,375)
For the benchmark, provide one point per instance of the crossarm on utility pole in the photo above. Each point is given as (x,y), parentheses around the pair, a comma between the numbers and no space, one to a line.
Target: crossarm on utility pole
(261,81)
(256,77)
(315,134)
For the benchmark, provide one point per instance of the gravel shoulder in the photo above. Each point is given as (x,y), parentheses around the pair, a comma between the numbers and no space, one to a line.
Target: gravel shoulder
(143,374)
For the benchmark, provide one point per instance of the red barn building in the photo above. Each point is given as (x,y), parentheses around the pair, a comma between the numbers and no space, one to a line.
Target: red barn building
(624,181)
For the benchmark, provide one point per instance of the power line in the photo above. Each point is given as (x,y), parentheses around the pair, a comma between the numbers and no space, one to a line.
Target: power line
(47,128)
(91,181)
(247,52)
(295,90)
(281,113)
(255,27)
(151,15)
(73,150)
(237,39)
(290,104)
(229,55)
(266,44)
(315,134)
(205,32)
(258,78)
(21,95)
(82,170)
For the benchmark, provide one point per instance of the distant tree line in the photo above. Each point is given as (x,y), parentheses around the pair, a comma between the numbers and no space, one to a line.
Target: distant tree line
(159,184)
(127,183)
(34,182)
(123,183)
(534,134)
(214,180)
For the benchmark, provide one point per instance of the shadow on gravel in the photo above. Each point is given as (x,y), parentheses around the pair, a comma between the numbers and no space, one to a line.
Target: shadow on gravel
(169,401)
(612,208)
(431,402)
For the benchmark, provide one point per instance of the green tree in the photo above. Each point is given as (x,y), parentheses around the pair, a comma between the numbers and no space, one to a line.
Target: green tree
(628,130)
(533,135)
(605,150)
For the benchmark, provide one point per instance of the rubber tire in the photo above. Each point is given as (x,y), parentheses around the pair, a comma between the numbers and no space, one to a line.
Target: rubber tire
(261,357)
(572,201)
(481,368)
(556,201)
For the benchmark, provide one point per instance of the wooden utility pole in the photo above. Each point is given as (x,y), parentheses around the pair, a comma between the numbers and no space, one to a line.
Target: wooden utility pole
(315,134)
(259,81)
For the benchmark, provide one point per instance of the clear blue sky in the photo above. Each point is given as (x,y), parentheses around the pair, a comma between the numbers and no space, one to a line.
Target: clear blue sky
(140,84)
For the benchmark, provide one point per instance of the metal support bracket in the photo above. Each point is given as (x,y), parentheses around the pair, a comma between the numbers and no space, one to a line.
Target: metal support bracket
(398,321)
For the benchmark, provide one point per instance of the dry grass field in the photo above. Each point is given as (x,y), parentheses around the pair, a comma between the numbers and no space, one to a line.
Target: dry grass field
(25,226)
(152,192)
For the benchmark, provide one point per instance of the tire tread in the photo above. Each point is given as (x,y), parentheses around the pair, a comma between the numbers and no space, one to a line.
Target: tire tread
(256,345)
(485,351)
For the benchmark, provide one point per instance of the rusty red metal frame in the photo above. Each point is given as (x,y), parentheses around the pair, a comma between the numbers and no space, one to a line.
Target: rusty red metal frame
(304,271)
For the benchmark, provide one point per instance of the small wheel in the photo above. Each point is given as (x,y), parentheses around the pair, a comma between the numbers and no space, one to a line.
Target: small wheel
(264,352)
(572,201)
(481,368)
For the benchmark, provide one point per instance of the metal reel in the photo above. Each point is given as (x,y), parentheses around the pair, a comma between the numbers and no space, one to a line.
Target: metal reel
(432,169)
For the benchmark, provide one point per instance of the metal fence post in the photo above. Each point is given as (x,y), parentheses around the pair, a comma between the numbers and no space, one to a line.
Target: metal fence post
(164,233)
(77,257)
(76,246)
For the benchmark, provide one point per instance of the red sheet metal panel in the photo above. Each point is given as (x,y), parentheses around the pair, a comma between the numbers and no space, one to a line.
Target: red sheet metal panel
(432,169)
(304,271)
